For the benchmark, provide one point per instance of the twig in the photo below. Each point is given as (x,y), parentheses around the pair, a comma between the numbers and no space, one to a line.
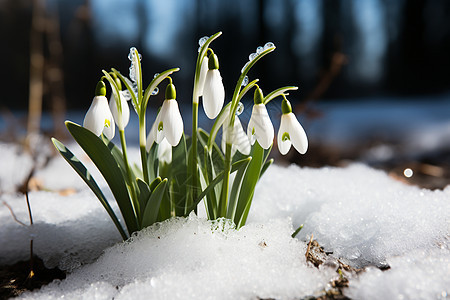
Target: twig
(13,214)
(309,246)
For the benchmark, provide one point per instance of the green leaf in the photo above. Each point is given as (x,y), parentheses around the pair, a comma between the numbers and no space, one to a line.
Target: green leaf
(144,194)
(108,166)
(234,167)
(237,185)
(153,162)
(78,166)
(179,177)
(265,167)
(151,211)
(249,183)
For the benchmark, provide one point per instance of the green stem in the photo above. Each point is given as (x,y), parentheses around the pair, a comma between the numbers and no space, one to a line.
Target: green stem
(142,143)
(193,171)
(225,183)
(130,178)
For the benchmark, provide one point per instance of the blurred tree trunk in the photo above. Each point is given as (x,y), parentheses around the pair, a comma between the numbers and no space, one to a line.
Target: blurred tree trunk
(36,71)
(54,72)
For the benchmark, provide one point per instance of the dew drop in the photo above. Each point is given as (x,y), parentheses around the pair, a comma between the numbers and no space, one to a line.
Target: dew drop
(252,56)
(202,41)
(240,109)
(134,106)
(133,73)
(155,91)
(245,81)
(156,75)
(131,54)
(259,50)
(269,45)
(245,66)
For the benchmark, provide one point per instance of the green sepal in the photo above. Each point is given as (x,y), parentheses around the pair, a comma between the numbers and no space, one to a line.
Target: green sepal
(213,62)
(286,106)
(100,89)
(100,154)
(151,211)
(171,92)
(78,166)
(258,97)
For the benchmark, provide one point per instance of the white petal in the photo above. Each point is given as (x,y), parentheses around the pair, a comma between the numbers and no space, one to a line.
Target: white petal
(165,152)
(151,138)
(213,94)
(262,125)
(123,122)
(251,130)
(98,115)
(297,134)
(283,146)
(172,121)
(240,139)
(202,77)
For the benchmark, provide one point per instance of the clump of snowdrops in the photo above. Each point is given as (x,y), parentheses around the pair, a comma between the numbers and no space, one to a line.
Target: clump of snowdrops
(178,172)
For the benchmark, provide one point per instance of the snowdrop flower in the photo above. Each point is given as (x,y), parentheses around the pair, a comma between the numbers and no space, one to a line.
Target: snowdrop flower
(235,136)
(124,97)
(202,77)
(213,90)
(98,118)
(165,152)
(290,132)
(260,127)
(168,123)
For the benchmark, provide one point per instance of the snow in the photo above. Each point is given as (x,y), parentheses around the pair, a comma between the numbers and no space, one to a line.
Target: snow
(364,217)
(357,212)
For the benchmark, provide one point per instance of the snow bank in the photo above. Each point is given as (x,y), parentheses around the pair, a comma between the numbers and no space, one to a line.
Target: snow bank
(421,274)
(359,213)
(198,259)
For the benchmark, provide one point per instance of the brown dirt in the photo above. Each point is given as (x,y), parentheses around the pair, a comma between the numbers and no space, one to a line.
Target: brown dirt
(18,278)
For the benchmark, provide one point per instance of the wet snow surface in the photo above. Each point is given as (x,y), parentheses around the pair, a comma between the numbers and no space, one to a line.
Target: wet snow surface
(360,215)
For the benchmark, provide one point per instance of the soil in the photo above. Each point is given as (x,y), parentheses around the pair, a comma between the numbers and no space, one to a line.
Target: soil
(20,277)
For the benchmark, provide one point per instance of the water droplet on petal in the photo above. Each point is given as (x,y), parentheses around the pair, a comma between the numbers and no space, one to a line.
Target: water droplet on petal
(252,56)
(259,50)
(132,73)
(155,91)
(140,57)
(240,109)
(245,81)
(156,75)
(131,54)
(203,40)
(245,66)
(269,45)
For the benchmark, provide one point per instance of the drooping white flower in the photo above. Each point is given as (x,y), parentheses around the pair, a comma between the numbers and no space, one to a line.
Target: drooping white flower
(98,118)
(202,77)
(213,90)
(260,127)
(291,132)
(168,123)
(235,136)
(123,121)
(165,152)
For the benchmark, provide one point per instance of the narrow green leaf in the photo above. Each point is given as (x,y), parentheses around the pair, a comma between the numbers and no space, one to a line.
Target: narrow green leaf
(249,183)
(108,166)
(237,185)
(153,162)
(152,209)
(265,167)
(78,166)
(234,167)
(144,194)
